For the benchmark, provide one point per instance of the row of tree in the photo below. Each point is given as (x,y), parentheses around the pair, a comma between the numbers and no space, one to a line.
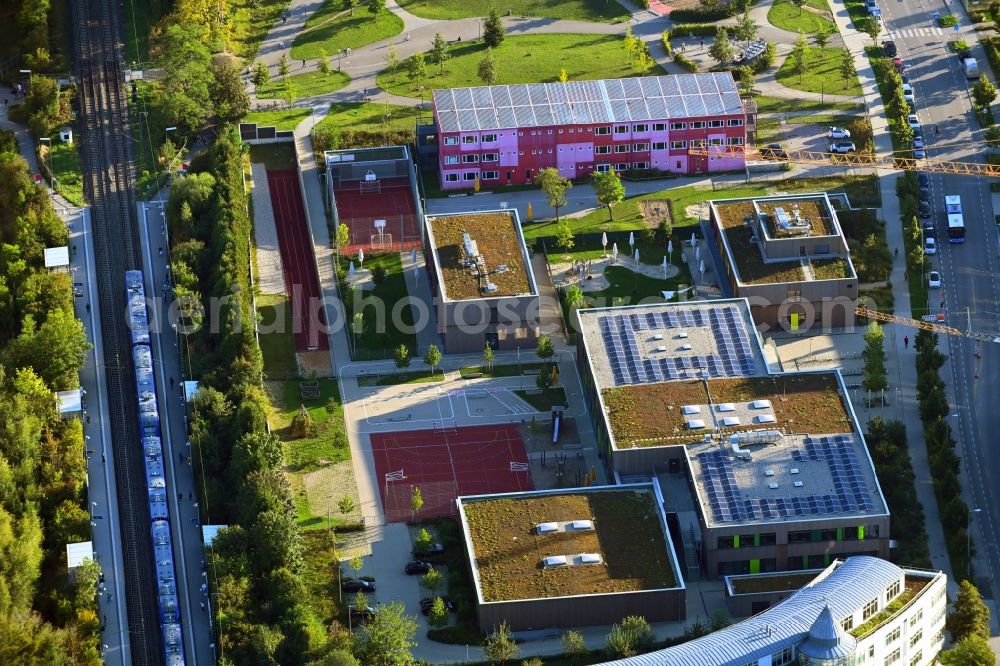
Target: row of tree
(44,618)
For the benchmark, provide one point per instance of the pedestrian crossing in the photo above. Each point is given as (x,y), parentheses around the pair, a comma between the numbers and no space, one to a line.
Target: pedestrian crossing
(916,32)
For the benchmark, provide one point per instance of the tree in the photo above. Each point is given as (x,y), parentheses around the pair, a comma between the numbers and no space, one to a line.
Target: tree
(822,37)
(574,297)
(608,188)
(629,637)
(432,582)
(302,424)
(493,30)
(970,651)
(335,657)
(376,7)
(283,67)
(630,43)
(722,50)
(422,542)
(261,75)
(873,28)
(416,500)
(324,63)
(983,92)
(563,75)
(573,645)
(564,236)
(346,504)
(747,79)
(799,4)
(343,238)
(402,357)
(228,92)
(499,646)
(432,357)
(387,638)
(185,91)
(970,617)
(488,68)
(846,66)
(544,348)
(438,615)
(746,28)
(439,51)
(554,187)
(798,55)
(56,350)
(874,370)
(417,67)
(392,60)
(488,357)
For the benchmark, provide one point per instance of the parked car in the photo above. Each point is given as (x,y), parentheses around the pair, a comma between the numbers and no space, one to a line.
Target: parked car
(356,585)
(925,196)
(924,209)
(930,246)
(415,567)
(930,231)
(842,147)
(918,147)
(773,151)
(934,280)
(913,121)
(964,54)
(431,549)
(904,78)
(425,605)
(907,92)
(838,133)
(924,180)
(889,48)
(898,63)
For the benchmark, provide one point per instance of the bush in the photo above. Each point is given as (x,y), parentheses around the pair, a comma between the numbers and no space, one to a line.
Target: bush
(702,15)
(687,64)
(690,29)
(379,274)
(948,20)
(958,45)
(765,60)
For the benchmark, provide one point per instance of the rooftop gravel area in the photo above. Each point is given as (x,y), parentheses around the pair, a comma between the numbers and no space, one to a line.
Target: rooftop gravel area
(628,535)
(650,414)
(813,210)
(499,242)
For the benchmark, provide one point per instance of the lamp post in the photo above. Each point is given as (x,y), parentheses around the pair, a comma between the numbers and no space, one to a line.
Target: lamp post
(29,73)
(968,543)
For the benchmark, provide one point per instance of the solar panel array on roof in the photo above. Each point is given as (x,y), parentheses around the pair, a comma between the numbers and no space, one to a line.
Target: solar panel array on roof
(587,102)
(735,356)
(851,493)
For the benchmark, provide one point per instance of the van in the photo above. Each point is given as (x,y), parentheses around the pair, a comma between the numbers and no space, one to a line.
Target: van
(971,68)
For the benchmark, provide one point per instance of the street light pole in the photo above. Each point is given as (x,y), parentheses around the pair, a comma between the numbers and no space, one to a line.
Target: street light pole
(968,543)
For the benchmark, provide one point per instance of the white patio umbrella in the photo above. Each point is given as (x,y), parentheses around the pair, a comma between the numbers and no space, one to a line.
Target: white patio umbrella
(631,239)
(694,241)
(614,250)
(361,258)
(664,268)
(413,257)
(604,241)
(697,253)
(701,267)
(637,258)
(350,270)
(670,248)
(582,276)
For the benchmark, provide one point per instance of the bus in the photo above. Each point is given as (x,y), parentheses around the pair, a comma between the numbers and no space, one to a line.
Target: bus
(956,223)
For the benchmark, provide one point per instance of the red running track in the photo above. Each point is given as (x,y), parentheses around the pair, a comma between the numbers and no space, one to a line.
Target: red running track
(394,204)
(298,261)
(445,465)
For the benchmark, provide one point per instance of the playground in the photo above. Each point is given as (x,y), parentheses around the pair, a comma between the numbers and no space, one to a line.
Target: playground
(446,462)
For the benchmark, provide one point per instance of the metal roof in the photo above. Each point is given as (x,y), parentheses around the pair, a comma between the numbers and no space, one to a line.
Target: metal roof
(586,102)
(846,589)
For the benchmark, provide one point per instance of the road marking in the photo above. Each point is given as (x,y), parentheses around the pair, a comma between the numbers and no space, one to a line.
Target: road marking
(915,32)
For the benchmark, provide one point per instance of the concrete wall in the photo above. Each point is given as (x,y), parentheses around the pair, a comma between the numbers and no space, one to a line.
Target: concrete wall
(581,611)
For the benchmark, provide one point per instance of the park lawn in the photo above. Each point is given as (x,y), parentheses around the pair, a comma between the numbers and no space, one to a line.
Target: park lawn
(384,296)
(319,573)
(362,116)
(627,287)
(309,84)
(522,59)
(577,10)
(277,346)
(250,26)
(785,15)
(283,119)
(784,105)
(769,130)
(67,169)
(329,446)
(822,73)
(332,30)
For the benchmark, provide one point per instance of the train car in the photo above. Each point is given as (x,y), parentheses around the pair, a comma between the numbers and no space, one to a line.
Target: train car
(156,487)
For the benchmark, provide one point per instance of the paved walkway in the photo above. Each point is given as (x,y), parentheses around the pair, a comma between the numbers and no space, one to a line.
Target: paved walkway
(270,273)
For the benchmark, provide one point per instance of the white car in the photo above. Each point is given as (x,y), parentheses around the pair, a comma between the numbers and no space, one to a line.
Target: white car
(934,280)
(930,246)
(918,147)
(907,92)
(842,147)
(913,121)
(838,133)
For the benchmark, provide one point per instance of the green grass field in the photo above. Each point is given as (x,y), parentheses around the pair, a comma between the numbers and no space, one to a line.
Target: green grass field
(67,169)
(385,335)
(283,119)
(523,59)
(577,10)
(822,74)
(785,15)
(250,26)
(330,443)
(783,105)
(331,29)
(309,84)
(277,346)
(363,115)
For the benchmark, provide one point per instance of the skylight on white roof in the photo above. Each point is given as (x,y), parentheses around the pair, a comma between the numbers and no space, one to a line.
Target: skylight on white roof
(691,409)
(765,418)
(695,424)
(555,561)
(590,558)
(760,404)
(731,421)
(582,525)
(545,528)
(726,407)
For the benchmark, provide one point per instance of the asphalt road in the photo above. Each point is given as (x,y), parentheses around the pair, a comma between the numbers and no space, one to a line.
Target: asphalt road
(182,495)
(970,289)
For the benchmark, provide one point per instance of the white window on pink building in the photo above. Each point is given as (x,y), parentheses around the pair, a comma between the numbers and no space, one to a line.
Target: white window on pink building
(659,127)
(602,168)
(641,165)
(640,128)
(640,147)
(451,141)
(603,131)
(736,122)
(470,139)
(715,123)
(621,166)
(735,141)
(621,129)
(489,138)
(451,159)
(451,178)
(491,175)
(469,175)
(659,145)
(470,159)
(489,157)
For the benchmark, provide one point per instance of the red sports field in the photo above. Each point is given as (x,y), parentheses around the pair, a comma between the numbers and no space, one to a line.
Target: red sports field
(393,203)
(445,464)
(298,261)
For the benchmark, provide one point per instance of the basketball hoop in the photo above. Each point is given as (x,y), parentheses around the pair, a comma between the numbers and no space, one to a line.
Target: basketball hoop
(371,184)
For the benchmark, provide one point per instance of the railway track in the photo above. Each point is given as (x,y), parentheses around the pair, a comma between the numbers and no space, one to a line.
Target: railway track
(108,173)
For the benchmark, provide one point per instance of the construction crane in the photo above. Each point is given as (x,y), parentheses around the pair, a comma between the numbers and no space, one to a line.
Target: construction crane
(863,160)
(936,326)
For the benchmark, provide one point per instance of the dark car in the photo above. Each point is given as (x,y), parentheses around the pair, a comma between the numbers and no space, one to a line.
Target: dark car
(430,549)
(924,180)
(924,196)
(355,585)
(425,605)
(924,208)
(930,231)
(415,567)
(773,151)
(889,48)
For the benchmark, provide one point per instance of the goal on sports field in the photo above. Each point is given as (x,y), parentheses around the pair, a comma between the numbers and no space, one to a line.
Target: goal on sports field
(370,184)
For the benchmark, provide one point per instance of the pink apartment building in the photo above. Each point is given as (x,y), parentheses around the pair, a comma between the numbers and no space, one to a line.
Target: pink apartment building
(502,135)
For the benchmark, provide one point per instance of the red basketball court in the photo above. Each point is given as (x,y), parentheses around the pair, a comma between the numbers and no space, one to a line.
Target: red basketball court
(298,261)
(358,206)
(446,463)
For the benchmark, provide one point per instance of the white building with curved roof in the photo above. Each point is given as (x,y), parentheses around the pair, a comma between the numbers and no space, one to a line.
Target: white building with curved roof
(862,610)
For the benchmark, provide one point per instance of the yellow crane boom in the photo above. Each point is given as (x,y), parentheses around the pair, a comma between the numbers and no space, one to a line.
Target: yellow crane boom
(933,326)
(864,160)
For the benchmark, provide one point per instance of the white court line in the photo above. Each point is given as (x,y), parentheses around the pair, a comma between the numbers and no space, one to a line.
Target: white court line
(384,419)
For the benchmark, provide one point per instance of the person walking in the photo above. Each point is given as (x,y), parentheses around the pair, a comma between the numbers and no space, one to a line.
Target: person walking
(896,253)
(906,342)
